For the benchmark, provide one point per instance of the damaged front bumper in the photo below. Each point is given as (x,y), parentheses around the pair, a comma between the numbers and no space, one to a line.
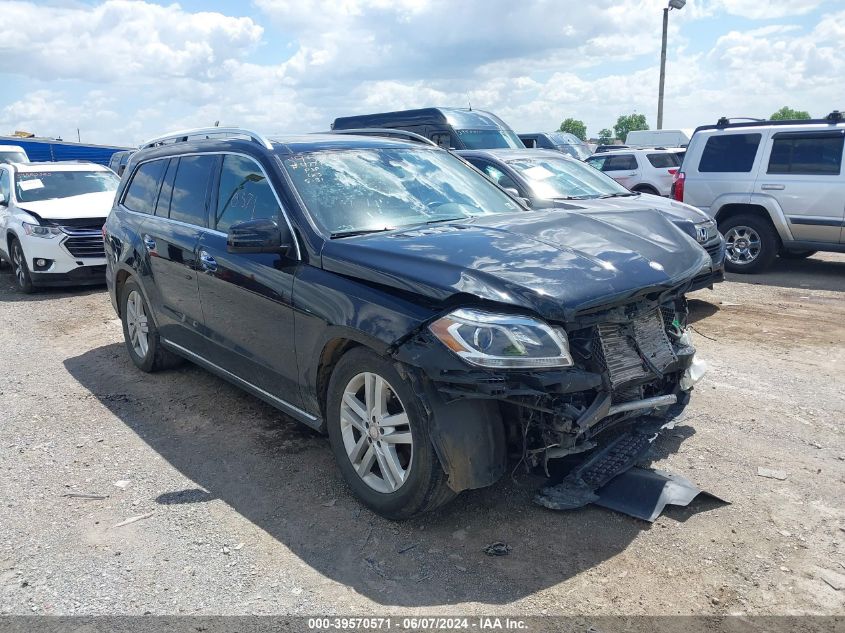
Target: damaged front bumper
(631,361)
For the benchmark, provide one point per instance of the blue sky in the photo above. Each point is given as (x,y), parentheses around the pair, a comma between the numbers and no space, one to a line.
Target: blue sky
(122,71)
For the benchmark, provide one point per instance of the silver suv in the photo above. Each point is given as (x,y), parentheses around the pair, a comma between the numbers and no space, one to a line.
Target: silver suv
(776,188)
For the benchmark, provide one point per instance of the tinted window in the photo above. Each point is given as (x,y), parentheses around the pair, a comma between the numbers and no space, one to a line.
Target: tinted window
(443,139)
(163,206)
(143,190)
(614,163)
(665,160)
(498,176)
(807,154)
(489,139)
(729,153)
(244,194)
(528,141)
(189,202)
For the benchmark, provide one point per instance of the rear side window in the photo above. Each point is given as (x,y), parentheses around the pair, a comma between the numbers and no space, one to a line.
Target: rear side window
(729,153)
(142,192)
(5,185)
(189,201)
(816,154)
(244,194)
(666,160)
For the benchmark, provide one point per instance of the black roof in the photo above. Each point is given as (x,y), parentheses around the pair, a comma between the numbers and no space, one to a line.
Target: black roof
(457,117)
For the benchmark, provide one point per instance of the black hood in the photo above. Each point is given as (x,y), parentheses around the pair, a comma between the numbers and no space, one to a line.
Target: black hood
(552,262)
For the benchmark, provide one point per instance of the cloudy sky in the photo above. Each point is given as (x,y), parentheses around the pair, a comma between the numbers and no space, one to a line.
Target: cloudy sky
(122,71)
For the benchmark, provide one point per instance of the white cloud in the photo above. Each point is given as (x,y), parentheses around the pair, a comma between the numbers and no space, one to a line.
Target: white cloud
(765,9)
(157,68)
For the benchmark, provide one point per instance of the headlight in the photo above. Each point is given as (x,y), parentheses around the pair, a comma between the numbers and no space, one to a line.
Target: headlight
(502,340)
(37,230)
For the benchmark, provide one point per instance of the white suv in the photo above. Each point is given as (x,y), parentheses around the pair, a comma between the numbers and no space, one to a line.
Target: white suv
(774,187)
(648,170)
(51,220)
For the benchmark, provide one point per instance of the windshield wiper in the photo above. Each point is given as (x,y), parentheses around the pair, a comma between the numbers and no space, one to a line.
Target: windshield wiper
(355,232)
(586,197)
(619,195)
(460,217)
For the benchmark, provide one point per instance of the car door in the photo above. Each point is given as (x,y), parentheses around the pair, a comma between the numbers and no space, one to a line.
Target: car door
(5,203)
(623,168)
(247,297)
(170,239)
(803,172)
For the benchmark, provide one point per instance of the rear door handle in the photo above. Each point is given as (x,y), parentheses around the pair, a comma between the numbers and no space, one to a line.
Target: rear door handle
(773,187)
(208,263)
(150,243)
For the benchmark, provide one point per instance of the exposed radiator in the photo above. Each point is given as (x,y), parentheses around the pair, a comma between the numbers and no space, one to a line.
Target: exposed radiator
(619,354)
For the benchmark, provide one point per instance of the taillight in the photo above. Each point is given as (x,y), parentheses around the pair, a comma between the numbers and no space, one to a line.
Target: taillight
(673,171)
(678,186)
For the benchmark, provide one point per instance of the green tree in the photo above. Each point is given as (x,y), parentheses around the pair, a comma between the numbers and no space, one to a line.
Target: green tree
(788,114)
(629,123)
(574,126)
(605,137)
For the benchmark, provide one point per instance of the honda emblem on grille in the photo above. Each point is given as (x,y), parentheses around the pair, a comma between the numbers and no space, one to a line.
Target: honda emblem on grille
(701,234)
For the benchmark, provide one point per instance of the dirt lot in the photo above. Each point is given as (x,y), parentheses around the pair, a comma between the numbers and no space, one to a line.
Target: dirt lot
(246,513)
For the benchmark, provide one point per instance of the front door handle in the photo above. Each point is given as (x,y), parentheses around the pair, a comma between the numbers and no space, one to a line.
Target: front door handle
(150,243)
(773,187)
(208,263)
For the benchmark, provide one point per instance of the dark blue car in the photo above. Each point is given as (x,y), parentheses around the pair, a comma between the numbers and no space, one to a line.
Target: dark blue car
(387,293)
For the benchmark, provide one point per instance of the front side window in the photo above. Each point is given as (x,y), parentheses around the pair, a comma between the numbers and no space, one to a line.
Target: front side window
(489,139)
(5,185)
(809,154)
(443,139)
(189,201)
(244,194)
(49,185)
(142,192)
(561,178)
(730,153)
(664,160)
(375,189)
(614,162)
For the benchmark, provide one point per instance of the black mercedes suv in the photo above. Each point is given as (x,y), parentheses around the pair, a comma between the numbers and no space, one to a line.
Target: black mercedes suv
(387,293)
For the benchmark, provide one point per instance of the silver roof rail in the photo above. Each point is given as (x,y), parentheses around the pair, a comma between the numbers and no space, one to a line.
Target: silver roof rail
(386,131)
(184,135)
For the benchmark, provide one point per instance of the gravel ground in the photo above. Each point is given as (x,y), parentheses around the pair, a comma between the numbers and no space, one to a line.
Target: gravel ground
(242,510)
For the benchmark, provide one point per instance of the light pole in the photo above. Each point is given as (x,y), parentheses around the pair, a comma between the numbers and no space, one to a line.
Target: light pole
(673,4)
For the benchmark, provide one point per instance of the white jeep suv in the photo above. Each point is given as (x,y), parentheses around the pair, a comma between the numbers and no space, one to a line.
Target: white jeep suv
(775,188)
(647,170)
(51,220)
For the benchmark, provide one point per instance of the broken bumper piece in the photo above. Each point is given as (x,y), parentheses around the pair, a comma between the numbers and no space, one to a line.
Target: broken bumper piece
(609,478)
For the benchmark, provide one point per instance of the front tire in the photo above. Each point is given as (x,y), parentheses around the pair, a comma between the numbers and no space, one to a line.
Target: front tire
(380,438)
(140,332)
(751,243)
(23,280)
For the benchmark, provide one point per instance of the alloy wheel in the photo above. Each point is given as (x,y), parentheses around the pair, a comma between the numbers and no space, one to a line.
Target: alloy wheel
(136,324)
(742,245)
(376,432)
(19,265)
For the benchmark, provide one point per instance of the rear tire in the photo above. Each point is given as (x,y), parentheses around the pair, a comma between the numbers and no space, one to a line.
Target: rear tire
(751,243)
(20,270)
(797,254)
(367,403)
(140,332)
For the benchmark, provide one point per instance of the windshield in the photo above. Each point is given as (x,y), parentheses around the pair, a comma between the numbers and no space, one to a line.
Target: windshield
(560,178)
(489,139)
(361,190)
(13,157)
(47,185)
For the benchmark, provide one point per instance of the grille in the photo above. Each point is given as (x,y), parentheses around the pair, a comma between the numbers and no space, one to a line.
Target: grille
(85,244)
(713,251)
(616,348)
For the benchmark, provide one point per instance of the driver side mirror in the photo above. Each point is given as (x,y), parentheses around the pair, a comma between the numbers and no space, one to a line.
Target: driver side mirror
(513,192)
(259,236)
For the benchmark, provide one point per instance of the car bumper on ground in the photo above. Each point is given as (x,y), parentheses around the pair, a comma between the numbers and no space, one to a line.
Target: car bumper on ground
(89,275)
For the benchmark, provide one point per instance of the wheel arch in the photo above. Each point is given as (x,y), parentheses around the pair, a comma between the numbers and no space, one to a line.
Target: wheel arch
(764,207)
